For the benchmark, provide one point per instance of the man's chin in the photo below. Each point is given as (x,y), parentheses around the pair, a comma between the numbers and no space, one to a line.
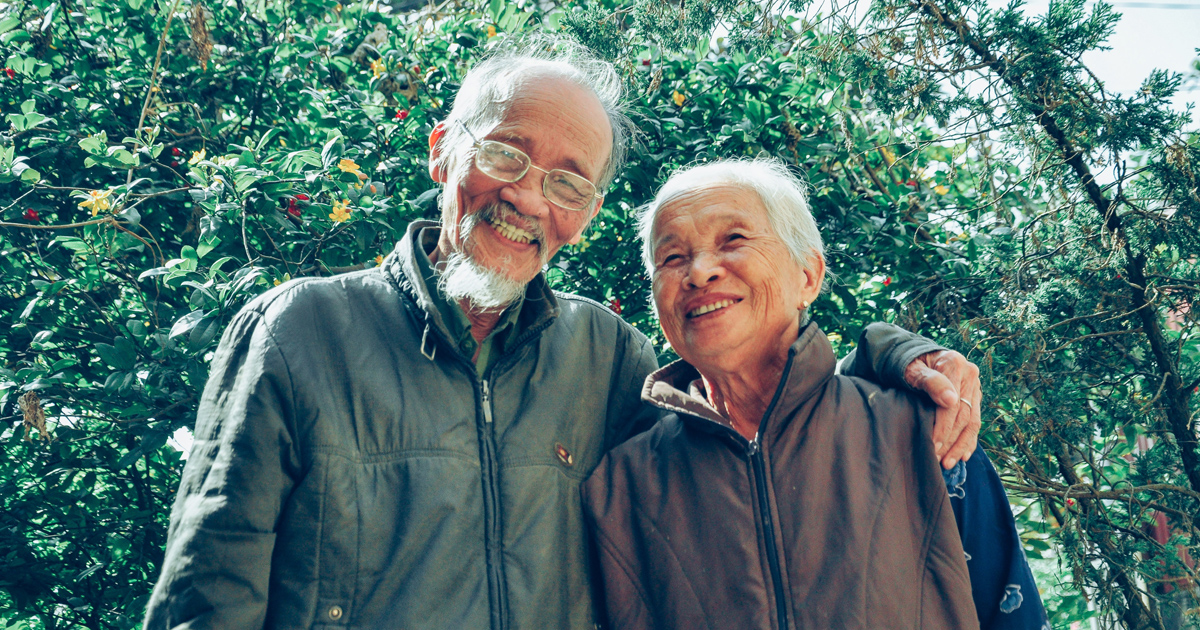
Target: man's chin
(483,287)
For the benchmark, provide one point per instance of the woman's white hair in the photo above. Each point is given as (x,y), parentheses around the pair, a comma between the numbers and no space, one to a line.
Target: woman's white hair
(488,89)
(781,192)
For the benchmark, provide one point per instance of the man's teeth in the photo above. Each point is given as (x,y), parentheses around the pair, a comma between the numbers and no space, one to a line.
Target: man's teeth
(711,307)
(511,232)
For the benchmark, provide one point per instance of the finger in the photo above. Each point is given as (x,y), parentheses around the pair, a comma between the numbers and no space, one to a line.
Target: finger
(940,389)
(962,449)
(958,426)
(943,426)
(945,395)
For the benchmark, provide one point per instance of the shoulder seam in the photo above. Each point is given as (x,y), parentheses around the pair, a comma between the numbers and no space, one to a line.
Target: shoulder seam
(579,298)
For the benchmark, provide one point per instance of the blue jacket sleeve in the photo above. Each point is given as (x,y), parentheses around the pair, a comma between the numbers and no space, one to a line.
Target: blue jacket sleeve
(1002,585)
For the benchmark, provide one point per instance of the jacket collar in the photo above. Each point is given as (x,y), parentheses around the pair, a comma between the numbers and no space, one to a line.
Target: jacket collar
(538,308)
(810,364)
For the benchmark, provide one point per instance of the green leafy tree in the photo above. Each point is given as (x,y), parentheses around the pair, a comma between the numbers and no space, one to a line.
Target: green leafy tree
(165,163)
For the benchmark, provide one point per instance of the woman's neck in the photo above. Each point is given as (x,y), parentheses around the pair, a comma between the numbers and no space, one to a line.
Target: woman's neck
(743,395)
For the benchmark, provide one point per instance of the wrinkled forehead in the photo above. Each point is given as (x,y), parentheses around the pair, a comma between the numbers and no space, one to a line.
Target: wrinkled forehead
(556,116)
(706,206)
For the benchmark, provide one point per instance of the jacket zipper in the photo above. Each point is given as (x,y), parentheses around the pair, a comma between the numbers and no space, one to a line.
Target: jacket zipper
(759,468)
(491,503)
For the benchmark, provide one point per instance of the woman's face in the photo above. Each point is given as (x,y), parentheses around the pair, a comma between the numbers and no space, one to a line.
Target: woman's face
(727,290)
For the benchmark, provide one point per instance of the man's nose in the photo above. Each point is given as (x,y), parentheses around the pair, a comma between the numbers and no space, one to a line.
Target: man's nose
(705,269)
(526,194)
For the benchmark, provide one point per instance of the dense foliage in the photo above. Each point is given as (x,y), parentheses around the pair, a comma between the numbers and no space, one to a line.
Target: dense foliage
(165,162)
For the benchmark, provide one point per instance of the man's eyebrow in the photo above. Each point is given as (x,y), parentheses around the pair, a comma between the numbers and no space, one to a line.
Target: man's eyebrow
(570,163)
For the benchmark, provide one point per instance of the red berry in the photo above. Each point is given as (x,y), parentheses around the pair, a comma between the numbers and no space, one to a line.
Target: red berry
(11,74)
(615,305)
(887,281)
(417,69)
(176,151)
(645,62)
(302,197)
(912,182)
(174,163)
(401,114)
(30,214)
(292,209)
(1070,501)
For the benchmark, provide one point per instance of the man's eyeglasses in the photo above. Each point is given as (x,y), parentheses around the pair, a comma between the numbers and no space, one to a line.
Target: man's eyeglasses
(509,164)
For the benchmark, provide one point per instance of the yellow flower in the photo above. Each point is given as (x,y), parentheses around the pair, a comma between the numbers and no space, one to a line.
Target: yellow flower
(940,189)
(379,259)
(98,201)
(678,98)
(491,31)
(347,166)
(197,156)
(341,211)
(378,67)
(278,282)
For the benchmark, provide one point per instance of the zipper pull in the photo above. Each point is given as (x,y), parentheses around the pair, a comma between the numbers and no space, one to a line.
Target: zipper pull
(752,449)
(487,403)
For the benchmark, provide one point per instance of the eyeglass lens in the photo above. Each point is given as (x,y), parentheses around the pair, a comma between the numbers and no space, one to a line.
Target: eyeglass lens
(506,163)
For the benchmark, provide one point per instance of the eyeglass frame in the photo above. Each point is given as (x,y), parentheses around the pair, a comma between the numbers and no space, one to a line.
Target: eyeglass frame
(528,165)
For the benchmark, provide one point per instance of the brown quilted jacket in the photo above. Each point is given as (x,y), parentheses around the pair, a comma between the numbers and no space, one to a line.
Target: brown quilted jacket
(837,516)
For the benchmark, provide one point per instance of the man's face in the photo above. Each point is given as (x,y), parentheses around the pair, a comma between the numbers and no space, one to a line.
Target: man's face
(559,126)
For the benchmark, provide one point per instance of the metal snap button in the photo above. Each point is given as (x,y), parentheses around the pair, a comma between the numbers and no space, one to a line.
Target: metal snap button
(335,612)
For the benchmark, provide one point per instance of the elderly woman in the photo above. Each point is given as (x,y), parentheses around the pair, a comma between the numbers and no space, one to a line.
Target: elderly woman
(776,494)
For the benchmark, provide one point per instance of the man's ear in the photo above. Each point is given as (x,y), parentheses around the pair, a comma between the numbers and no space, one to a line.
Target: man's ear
(437,172)
(579,235)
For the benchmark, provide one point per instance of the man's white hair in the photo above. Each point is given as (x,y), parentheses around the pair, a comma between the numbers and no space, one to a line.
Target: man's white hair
(488,89)
(781,192)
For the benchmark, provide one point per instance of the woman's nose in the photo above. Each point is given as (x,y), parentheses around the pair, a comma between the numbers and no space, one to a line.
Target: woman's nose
(705,269)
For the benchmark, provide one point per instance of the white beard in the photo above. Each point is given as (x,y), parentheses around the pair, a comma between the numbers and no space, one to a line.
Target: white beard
(484,289)
(464,279)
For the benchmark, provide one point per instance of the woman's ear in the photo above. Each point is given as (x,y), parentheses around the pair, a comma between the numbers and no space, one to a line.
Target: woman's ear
(813,277)
(437,171)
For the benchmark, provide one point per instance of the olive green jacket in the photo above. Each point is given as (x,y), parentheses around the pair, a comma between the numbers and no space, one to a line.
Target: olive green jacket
(352,470)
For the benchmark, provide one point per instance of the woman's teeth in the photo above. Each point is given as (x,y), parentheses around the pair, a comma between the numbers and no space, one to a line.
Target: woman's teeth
(510,231)
(711,307)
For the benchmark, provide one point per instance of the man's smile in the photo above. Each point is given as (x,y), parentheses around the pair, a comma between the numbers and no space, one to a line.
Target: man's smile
(510,231)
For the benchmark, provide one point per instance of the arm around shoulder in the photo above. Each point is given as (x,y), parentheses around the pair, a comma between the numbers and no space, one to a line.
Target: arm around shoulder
(883,354)
(242,466)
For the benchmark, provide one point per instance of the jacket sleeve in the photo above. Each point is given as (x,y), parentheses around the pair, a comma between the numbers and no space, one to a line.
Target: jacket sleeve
(631,415)
(241,468)
(883,352)
(621,598)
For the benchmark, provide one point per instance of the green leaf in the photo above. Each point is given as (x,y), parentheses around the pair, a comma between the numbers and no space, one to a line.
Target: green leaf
(95,144)
(204,332)
(186,323)
(114,357)
(15,37)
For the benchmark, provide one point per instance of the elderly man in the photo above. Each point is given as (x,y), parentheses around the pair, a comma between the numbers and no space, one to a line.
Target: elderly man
(403,447)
